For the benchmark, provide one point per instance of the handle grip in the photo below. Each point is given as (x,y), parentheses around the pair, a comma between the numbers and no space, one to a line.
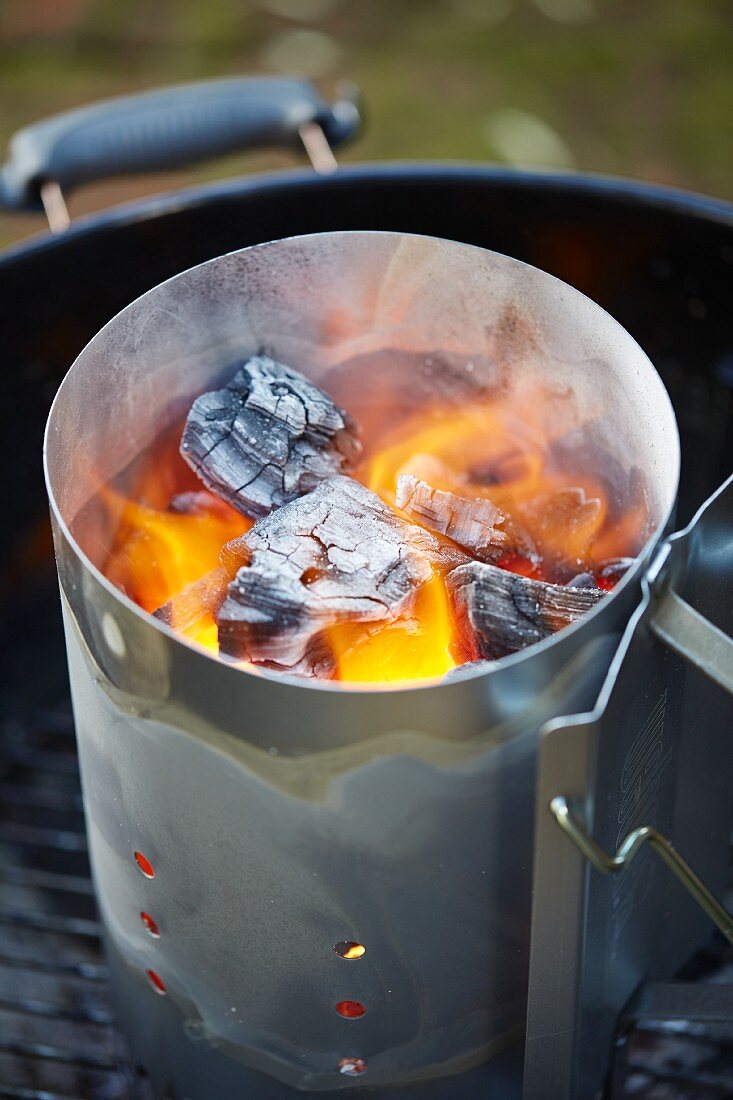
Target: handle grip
(164,129)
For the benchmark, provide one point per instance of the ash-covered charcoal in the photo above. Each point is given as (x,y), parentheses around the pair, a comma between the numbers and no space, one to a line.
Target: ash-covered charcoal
(614,568)
(199,504)
(582,580)
(268,437)
(476,525)
(498,612)
(336,555)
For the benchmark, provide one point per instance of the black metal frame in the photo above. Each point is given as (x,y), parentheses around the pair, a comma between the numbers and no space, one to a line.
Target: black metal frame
(650,756)
(646,254)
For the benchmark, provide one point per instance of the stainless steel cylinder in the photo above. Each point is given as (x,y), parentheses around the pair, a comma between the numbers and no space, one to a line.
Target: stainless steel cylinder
(260,821)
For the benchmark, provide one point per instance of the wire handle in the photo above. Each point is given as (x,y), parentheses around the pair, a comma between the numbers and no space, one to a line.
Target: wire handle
(637,838)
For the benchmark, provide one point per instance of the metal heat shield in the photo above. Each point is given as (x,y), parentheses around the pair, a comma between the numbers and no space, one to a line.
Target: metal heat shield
(656,752)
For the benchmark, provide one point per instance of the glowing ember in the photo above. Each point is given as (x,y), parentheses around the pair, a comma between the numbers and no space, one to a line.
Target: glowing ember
(349,949)
(484,451)
(519,497)
(351,1010)
(417,647)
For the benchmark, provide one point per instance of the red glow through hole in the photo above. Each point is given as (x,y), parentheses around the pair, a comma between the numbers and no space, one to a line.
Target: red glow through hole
(352,1067)
(350,1010)
(156,982)
(145,865)
(150,924)
(349,949)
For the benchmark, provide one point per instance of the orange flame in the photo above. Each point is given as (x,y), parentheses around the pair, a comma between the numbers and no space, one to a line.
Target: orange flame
(478,449)
(416,647)
(157,553)
(484,450)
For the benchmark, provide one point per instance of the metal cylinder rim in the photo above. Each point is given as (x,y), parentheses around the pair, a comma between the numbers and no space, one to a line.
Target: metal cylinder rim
(512,659)
(607,186)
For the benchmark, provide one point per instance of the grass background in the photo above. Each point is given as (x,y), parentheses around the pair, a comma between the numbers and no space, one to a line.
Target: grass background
(640,88)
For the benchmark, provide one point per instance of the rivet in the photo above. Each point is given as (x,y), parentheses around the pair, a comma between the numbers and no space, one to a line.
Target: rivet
(113,635)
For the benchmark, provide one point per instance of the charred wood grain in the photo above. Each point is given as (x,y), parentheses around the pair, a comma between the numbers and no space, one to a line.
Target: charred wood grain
(268,437)
(477,526)
(498,612)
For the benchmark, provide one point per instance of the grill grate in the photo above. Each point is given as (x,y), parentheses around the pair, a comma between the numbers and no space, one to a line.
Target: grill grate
(58,1040)
(57,1034)
(677,1039)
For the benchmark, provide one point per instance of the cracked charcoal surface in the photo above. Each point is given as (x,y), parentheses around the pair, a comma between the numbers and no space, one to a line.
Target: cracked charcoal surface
(476,525)
(338,554)
(500,612)
(268,437)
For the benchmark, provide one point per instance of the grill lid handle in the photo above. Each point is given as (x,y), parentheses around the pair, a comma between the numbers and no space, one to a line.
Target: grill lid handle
(168,128)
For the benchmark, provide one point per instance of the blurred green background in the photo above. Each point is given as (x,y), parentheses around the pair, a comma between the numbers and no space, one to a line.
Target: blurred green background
(641,88)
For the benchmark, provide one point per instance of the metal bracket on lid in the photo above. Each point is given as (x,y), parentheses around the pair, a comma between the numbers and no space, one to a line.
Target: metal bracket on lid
(54,205)
(316,145)
(692,636)
(348,112)
(649,765)
(695,638)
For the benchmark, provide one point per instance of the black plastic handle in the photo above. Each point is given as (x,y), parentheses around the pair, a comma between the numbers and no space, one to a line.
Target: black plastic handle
(163,129)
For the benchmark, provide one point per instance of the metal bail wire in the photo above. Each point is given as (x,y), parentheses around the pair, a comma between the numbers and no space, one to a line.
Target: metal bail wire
(637,838)
(318,149)
(54,205)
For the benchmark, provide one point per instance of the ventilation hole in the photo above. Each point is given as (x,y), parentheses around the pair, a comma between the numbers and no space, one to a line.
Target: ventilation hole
(350,1010)
(156,982)
(150,924)
(352,1067)
(349,949)
(145,865)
